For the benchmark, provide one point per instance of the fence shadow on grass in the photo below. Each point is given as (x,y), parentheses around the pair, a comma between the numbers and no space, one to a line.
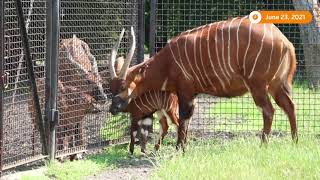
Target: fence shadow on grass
(118,156)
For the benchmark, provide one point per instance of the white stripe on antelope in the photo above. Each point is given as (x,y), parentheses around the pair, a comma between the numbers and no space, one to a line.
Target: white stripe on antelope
(190,65)
(139,112)
(249,65)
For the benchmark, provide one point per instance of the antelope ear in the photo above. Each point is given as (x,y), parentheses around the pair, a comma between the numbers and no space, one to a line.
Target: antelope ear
(137,78)
(141,72)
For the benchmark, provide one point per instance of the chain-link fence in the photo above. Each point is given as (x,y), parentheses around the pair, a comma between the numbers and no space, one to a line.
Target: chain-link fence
(88,30)
(224,116)
(21,139)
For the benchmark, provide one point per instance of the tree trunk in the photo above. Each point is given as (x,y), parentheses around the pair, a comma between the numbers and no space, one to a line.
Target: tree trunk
(310,36)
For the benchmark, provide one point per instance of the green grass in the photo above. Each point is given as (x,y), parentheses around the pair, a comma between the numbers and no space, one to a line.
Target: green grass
(73,170)
(34,177)
(242,114)
(242,159)
(115,127)
(112,157)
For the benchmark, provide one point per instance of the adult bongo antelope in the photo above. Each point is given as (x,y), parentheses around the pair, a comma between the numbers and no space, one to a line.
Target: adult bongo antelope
(141,108)
(224,59)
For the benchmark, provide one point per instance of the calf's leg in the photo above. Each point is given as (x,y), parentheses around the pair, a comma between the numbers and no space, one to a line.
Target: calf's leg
(133,134)
(163,131)
(145,125)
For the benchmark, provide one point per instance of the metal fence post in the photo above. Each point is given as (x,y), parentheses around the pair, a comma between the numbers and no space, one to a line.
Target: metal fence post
(141,34)
(2,43)
(52,41)
(152,34)
(30,69)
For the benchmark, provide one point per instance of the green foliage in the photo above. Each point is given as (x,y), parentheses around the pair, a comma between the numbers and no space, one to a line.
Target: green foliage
(242,159)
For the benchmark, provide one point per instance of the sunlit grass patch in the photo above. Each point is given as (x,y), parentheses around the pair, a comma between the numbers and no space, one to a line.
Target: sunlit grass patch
(112,157)
(242,159)
(73,170)
(34,177)
(115,127)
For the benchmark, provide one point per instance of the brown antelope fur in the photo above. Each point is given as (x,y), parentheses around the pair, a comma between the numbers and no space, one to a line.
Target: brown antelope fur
(79,89)
(142,108)
(78,74)
(72,105)
(224,59)
(74,55)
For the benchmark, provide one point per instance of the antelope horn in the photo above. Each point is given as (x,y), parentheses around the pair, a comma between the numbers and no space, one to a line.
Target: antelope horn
(124,69)
(114,51)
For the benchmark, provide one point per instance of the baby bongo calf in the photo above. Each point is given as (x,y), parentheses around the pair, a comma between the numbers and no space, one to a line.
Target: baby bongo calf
(141,110)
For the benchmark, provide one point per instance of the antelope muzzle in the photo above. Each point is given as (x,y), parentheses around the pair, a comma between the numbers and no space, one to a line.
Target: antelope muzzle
(117,105)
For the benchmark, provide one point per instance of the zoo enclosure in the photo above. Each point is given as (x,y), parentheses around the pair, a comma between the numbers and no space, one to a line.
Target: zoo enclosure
(98,24)
(227,117)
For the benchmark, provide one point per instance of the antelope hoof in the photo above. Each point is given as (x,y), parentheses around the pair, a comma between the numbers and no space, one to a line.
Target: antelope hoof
(131,148)
(157,147)
(131,151)
(61,159)
(177,147)
(264,139)
(295,138)
(144,153)
(180,145)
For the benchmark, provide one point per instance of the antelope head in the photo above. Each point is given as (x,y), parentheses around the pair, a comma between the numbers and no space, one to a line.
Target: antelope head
(82,65)
(121,84)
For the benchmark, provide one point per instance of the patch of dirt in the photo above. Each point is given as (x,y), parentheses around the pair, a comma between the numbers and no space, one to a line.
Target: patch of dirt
(137,172)
(18,175)
(134,168)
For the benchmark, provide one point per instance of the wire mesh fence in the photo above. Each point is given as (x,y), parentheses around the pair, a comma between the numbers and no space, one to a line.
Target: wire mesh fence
(21,140)
(88,30)
(220,115)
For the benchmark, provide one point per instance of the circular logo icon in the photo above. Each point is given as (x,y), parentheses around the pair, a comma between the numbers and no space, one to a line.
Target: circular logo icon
(255,17)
